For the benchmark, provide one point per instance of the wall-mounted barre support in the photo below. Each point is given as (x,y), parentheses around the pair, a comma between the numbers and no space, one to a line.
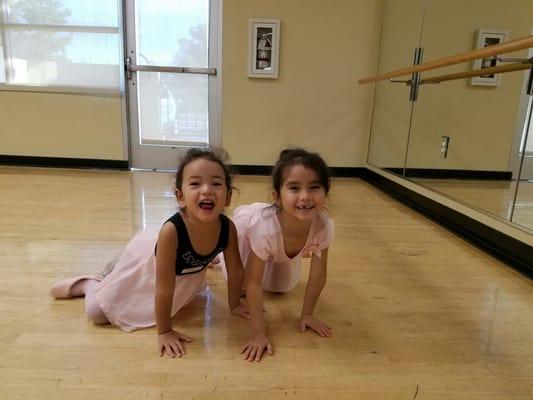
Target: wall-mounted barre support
(502,48)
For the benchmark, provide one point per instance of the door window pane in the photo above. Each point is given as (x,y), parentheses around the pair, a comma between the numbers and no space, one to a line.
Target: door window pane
(182,24)
(173,108)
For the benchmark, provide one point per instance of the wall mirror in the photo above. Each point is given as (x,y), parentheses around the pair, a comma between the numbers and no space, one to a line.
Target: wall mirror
(466,140)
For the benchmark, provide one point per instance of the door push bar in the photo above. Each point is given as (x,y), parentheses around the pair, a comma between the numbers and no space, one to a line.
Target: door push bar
(130,68)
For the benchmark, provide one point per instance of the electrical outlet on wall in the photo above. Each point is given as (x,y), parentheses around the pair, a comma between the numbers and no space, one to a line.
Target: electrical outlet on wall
(444,143)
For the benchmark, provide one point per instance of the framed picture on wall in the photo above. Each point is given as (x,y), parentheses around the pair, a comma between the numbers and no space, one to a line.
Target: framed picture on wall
(263,59)
(484,38)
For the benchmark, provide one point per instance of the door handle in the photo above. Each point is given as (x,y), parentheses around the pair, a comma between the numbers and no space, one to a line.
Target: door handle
(127,65)
(130,69)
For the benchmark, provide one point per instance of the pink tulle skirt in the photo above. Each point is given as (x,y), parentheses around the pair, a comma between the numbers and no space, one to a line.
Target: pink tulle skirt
(127,294)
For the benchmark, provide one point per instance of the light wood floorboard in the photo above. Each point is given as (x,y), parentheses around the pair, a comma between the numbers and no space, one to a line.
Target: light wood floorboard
(416,311)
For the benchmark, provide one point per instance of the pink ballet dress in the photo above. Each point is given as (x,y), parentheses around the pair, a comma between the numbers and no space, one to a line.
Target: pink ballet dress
(127,294)
(259,230)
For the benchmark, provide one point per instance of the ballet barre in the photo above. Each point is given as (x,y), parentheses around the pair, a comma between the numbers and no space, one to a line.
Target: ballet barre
(478,72)
(470,74)
(502,48)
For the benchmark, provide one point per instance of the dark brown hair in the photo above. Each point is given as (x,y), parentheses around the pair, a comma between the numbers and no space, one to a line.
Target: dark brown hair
(291,157)
(218,156)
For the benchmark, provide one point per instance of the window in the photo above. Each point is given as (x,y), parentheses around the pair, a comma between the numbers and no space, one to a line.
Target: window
(64,43)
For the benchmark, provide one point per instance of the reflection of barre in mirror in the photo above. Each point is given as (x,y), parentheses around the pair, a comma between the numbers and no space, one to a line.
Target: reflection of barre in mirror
(263,60)
(486,58)
(517,66)
(503,48)
(493,71)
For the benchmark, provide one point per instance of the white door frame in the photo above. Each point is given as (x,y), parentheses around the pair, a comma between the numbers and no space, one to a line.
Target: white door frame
(164,157)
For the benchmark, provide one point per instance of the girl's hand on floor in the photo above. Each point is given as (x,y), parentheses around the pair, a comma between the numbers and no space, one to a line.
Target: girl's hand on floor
(320,327)
(255,347)
(241,311)
(172,344)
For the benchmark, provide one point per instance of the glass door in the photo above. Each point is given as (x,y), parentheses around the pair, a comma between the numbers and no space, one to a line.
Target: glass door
(171,69)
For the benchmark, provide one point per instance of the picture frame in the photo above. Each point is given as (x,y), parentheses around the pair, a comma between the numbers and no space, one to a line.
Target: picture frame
(484,38)
(263,53)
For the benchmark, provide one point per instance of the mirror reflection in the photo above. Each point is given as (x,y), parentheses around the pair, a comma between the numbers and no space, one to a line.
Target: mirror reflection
(465,138)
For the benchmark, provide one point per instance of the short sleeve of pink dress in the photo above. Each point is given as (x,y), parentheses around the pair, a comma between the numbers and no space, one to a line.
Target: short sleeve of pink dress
(256,229)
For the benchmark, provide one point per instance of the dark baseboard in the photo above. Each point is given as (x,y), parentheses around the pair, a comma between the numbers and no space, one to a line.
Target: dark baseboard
(348,172)
(338,172)
(513,252)
(432,173)
(252,169)
(60,162)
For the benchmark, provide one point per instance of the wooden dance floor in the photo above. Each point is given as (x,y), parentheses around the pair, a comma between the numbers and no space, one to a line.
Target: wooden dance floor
(417,312)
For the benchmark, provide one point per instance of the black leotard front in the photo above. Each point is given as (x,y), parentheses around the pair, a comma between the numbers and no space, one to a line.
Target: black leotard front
(188,261)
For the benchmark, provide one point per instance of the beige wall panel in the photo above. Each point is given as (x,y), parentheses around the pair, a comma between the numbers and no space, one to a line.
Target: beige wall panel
(61,125)
(316,102)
